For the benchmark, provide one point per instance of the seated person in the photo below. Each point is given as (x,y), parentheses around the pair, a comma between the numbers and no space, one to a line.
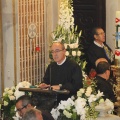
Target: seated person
(92,72)
(25,103)
(98,49)
(112,78)
(102,83)
(63,73)
(33,114)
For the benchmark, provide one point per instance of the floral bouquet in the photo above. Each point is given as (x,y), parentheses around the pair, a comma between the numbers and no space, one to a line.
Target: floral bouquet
(66,33)
(9,103)
(82,106)
(23,84)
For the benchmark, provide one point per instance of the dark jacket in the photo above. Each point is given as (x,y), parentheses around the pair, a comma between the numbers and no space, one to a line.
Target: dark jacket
(105,87)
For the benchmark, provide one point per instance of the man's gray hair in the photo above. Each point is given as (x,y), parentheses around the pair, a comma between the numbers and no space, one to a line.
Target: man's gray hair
(31,114)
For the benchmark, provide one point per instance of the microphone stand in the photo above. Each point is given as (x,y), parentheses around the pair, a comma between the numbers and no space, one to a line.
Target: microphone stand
(50,88)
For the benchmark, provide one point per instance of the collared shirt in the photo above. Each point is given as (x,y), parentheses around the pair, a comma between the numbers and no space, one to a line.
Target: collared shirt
(99,44)
(62,61)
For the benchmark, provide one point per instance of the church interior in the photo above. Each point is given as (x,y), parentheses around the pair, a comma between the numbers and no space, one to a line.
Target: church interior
(26,28)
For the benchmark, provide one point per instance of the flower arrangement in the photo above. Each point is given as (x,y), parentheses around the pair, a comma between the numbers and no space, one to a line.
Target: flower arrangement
(66,33)
(8,102)
(23,84)
(9,98)
(82,106)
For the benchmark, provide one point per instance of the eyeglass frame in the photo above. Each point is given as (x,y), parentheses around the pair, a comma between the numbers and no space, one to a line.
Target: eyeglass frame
(56,51)
(20,109)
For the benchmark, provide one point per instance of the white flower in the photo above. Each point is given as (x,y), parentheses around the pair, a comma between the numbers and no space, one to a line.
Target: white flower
(6,89)
(4,94)
(71,46)
(78,53)
(65,45)
(67,114)
(74,53)
(55,113)
(59,39)
(24,84)
(18,94)
(82,116)
(53,36)
(88,91)
(80,92)
(67,53)
(66,15)
(80,104)
(92,98)
(101,101)
(13,88)
(5,103)
(109,103)
(11,97)
(10,92)
(72,97)
(100,94)
(75,45)
(64,104)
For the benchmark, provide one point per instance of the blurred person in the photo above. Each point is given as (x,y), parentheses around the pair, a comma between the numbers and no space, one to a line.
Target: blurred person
(25,103)
(33,114)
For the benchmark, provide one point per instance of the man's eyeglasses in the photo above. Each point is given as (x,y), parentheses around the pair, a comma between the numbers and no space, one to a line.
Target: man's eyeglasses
(56,51)
(19,109)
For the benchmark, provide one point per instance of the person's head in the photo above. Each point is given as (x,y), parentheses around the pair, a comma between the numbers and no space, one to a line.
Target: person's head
(103,69)
(33,114)
(99,35)
(23,103)
(58,52)
(99,60)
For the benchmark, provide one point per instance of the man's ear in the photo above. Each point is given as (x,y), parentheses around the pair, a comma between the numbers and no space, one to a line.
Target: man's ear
(95,36)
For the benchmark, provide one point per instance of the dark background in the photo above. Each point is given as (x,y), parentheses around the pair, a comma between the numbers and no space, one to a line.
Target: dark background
(88,14)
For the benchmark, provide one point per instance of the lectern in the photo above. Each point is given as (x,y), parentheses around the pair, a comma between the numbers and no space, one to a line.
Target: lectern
(46,99)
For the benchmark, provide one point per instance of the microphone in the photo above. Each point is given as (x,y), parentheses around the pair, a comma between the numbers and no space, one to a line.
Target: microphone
(50,88)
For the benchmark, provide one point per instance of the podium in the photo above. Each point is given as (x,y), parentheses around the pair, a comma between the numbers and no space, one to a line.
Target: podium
(45,99)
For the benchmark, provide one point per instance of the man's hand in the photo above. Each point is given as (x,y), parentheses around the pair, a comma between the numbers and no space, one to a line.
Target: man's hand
(55,87)
(43,86)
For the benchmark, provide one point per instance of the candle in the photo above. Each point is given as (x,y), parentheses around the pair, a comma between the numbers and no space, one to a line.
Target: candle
(117,18)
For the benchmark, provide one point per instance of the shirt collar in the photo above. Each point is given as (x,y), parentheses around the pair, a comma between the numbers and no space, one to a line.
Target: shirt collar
(62,61)
(99,44)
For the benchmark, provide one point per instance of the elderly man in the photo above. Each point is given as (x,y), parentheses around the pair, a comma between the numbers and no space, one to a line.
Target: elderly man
(98,49)
(63,73)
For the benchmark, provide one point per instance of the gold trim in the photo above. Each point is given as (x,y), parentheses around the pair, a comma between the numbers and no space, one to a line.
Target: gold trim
(2,52)
(14,35)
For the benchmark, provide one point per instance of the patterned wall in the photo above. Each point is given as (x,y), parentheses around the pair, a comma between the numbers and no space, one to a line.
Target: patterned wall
(31,40)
